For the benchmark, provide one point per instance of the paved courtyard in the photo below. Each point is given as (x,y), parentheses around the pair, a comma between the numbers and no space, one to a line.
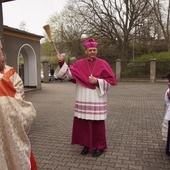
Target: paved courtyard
(135,113)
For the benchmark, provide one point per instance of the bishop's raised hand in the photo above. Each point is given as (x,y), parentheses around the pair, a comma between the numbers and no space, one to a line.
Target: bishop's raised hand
(60,57)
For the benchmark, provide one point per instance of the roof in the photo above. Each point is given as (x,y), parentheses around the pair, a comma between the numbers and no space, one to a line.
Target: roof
(20,33)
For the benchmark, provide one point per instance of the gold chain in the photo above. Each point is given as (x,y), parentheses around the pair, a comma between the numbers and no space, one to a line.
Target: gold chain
(91,71)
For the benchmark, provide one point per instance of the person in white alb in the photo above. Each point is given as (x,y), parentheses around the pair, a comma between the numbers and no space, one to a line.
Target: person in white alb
(166,121)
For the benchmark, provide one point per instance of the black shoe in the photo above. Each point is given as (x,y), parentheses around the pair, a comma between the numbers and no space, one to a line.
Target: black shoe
(97,152)
(85,151)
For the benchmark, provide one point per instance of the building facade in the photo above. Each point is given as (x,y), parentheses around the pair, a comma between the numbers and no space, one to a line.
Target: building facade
(19,44)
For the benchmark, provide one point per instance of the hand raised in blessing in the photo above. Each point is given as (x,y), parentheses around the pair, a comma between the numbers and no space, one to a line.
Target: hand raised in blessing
(60,57)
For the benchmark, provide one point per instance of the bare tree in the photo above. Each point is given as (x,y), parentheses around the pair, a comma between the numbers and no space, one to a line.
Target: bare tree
(113,22)
(118,25)
(162,13)
(67,31)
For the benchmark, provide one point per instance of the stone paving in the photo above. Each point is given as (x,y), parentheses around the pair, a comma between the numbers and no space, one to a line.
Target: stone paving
(135,114)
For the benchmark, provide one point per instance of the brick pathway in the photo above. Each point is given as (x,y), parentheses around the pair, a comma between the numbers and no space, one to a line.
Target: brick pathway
(133,129)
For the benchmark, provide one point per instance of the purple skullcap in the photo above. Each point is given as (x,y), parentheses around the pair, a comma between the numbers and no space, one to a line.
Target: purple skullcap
(90,43)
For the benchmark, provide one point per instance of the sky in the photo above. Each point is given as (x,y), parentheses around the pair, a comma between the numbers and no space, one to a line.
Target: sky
(35,13)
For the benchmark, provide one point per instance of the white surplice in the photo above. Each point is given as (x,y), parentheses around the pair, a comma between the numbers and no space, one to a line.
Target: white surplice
(91,104)
(166,117)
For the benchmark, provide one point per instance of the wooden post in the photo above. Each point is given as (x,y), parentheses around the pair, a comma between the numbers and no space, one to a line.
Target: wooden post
(152,70)
(118,69)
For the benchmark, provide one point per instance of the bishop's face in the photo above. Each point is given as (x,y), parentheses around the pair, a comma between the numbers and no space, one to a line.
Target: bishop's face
(91,53)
